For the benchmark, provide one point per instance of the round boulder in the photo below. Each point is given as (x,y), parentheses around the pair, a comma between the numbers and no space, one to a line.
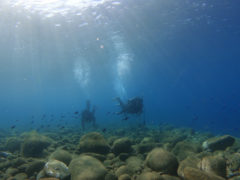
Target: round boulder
(122,145)
(163,161)
(61,155)
(93,142)
(87,167)
(34,144)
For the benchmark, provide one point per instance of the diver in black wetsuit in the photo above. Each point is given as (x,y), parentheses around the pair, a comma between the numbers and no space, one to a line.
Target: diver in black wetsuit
(133,106)
(88,116)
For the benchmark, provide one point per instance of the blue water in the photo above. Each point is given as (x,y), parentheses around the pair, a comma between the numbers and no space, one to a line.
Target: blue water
(182,57)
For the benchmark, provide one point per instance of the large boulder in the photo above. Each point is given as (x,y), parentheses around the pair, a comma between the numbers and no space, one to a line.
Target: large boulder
(163,161)
(86,167)
(122,145)
(34,144)
(218,143)
(93,142)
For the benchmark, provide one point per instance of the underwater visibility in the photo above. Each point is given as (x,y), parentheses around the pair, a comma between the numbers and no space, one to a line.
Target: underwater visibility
(119,90)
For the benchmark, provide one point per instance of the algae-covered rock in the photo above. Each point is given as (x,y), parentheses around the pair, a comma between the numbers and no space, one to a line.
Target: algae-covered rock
(54,168)
(122,145)
(93,142)
(20,176)
(196,174)
(86,167)
(188,162)
(161,160)
(34,167)
(214,164)
(184,148)
(61,155)
(13,144)
(123,170)
(168,177)
(149,176)
(34,144)
(124,177)
(218,143)
(110,176)
(134,164)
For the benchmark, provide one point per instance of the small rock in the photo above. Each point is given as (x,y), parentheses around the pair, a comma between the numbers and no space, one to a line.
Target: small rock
(34,167)
(11,171)
(168,177)
(218,143)
(149,176)
(123,170)
(124,177)
(20,176)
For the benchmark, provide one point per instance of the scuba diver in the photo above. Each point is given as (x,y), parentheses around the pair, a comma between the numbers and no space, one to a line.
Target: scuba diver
(133,106)
(88,116)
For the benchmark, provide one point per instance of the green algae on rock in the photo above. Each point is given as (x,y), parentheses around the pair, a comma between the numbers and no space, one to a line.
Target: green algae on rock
(54,168)
(149,176)
(93,142)
(218,143)
(192,174)
(86,167)
(163,161)
(61,155)
(34,144)
(122,145)
(214,164)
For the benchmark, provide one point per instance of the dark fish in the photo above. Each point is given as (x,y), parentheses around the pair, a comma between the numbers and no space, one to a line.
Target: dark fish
(124,119)
(62,127)
(195,118)
(32,122)
(13,126)
(76,112)
(17,120)
(104,130)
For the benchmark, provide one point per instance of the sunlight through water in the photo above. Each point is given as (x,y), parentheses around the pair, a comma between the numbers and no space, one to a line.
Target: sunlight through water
(50,8)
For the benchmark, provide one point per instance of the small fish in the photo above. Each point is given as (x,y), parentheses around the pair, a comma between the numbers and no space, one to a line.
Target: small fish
(13,126)
(124,119)
(104,130)
(76,112)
